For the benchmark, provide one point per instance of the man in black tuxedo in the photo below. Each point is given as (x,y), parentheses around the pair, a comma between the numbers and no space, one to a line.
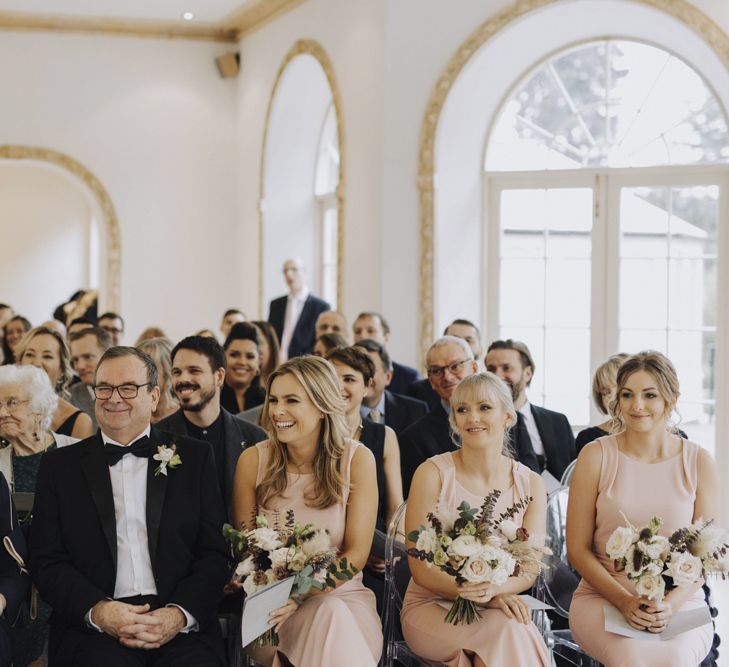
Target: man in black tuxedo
(381,405)
(548,433)
(127,549)
(294,316)
(373,326)
(198,373)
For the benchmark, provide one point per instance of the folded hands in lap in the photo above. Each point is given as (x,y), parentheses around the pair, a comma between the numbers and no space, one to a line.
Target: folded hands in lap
(645,614)
(135,626)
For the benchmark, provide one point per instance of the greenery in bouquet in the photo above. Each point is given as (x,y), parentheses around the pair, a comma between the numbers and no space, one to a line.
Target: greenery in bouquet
(270,553)
(656,564)
(474,545)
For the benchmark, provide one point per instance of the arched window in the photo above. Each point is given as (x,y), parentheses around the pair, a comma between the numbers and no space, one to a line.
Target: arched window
(605,182)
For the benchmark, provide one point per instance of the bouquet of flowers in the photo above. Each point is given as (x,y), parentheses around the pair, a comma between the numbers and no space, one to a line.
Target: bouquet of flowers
(267,554)
(655,563)
(474,545)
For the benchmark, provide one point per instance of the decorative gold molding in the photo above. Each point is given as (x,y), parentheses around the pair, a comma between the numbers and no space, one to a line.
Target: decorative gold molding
(313,48)
(681,10)
(252,16)
(112,260)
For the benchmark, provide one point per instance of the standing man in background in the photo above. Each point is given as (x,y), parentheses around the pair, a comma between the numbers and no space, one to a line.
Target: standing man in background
(294,316)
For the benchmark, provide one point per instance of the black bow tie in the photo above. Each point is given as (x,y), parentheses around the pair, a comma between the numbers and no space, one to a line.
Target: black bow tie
(114,453)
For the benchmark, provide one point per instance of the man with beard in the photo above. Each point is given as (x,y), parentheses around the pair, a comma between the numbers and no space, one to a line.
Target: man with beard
(546,432)
(198,372)
(86,347)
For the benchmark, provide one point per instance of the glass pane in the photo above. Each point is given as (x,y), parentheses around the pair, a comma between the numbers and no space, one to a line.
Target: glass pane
(609,103)
(567,302)
(522,295)
(523,210)
(643,293)
(636,340)
(644,222)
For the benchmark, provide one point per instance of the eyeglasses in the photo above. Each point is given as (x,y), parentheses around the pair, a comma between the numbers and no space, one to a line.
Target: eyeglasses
(105,391)
(12,404)
(439,371)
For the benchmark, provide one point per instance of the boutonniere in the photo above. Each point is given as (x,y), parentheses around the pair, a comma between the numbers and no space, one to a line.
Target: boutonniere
(167,457)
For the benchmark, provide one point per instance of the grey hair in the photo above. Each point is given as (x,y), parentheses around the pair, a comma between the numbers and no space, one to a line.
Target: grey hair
(486,386)
(451,340)
(43,400)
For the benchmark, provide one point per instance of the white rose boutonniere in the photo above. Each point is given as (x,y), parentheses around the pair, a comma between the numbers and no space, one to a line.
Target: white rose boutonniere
(167,457)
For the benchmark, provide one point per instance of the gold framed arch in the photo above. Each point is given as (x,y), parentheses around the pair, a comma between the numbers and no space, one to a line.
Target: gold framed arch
(681,10)
(313,48)
(112,255)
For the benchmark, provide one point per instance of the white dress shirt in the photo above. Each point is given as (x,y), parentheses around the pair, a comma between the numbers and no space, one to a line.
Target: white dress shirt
(294,306)
(134,575)
(532,430)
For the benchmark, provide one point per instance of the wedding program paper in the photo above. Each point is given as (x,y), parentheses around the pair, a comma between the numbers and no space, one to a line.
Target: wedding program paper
(257,607)
(680,622)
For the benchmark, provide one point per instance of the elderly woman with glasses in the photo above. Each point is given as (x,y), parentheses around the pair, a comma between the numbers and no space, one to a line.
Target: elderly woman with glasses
(27,406)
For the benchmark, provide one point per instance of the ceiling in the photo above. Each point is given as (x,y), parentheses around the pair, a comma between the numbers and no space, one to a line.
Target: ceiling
(218,20)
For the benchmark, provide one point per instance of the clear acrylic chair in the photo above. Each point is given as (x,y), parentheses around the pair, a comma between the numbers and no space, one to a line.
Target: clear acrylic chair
(557,584)
(397,577)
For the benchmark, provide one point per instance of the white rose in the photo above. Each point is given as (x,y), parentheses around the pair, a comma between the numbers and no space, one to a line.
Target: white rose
(427,541)
(658,547)
(650,586)
(280,557)
(505,564)
(502,573)
(619,543)
(465,546)
(653,569)
(245,567)
(508,528)
(684,568)
(266,538)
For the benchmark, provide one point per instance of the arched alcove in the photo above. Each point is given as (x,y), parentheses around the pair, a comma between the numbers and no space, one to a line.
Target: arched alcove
(83,195)
(303,128)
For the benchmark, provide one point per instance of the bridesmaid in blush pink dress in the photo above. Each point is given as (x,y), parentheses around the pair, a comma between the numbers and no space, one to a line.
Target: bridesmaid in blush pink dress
(643,471)
(482,411)
(310,467)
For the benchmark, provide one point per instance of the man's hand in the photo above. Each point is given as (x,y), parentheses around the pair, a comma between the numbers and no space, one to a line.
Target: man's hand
(167,623)
(113,616)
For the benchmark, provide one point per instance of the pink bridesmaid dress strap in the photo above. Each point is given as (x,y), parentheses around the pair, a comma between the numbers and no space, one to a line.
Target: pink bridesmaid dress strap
(263,455)
(609,466)
(522,485)
(690,455)
(350,448)
(447,470)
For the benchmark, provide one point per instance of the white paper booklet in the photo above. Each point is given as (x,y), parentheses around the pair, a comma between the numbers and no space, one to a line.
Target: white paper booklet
(680,622)
(257,607)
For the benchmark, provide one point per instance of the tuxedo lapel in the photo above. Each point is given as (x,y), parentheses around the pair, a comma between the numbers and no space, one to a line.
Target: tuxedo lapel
(96,471)
(156,489)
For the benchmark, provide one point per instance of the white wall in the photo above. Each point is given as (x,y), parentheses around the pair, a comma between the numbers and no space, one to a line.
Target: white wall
(45,256)
(155,123)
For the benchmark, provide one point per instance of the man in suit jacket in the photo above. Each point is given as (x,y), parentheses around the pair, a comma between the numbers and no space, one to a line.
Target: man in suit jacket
(373,326)
(294,316)
(127,549)
(547,432)
(86,347)
(381,405)
(198,372)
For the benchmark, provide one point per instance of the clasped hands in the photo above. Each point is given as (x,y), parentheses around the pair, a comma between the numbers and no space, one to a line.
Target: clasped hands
(645,614)
(484,596)
(135,626)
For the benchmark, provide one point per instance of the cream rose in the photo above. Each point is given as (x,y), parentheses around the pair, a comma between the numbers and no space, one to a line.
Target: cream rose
(465,546)
(650,586)
(619,543)
(658,547)
(427,541)
(684,568)
(245,567)
(297,561)
(280,557)
(476,569)
(266,538)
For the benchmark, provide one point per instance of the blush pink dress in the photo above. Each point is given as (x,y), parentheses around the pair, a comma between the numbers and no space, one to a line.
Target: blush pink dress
(496,639)
(341,626)
(641,491)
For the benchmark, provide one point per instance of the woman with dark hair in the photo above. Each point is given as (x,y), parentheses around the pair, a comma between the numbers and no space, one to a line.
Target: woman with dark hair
(269,349)
(13,331)
(45,348)
(242,388)
(311,466)
(328,341)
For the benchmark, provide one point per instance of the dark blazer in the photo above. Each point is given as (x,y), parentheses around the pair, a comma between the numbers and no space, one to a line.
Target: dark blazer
(14,583)
(424,392)
(239,434)
(73,542)
(401,411)
(557,438)
(402,377)
(303,339)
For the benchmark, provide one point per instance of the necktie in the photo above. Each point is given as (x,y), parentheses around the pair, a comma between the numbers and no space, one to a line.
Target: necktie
(375,416)
(114,453)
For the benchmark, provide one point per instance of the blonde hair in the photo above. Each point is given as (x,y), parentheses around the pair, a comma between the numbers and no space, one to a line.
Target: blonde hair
(663,372)
(64,379)
(321,384)
(486,387)
(160,350)
(604,377)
